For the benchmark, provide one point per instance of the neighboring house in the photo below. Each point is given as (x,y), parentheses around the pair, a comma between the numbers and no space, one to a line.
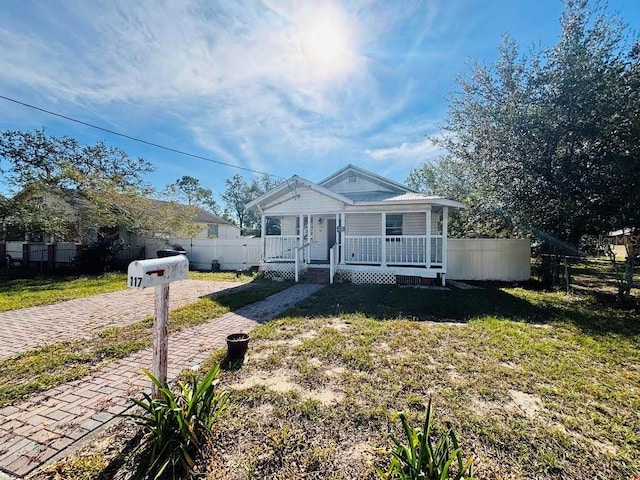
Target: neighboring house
(214,226)
(360,226)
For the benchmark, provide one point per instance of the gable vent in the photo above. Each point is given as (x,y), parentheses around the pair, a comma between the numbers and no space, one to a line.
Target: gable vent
(353,179)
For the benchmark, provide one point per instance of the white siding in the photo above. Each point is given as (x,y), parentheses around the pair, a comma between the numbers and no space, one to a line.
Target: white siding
(364,224)
(228,231)
(361,185)
(414,223)
(288,225)
(303,200)
(488,259)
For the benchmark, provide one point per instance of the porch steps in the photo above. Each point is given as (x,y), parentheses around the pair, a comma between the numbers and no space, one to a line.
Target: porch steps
(317,275)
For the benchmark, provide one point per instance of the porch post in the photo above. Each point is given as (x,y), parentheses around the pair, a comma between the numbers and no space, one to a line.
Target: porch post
(263,227)
(309,237)
(445,221)
(301,232)
(342,235)
(383,235)
(428,234)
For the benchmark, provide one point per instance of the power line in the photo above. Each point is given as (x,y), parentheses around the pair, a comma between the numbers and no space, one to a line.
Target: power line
(124,135)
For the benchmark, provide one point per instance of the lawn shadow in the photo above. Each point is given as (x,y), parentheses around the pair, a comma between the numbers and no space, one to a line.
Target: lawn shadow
(593,315)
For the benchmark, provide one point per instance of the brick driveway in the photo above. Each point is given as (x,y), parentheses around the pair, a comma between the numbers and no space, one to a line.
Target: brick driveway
(30,327)
(43,426)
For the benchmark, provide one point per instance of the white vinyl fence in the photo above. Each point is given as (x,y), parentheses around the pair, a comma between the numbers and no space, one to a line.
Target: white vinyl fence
(503,259)
(232,254)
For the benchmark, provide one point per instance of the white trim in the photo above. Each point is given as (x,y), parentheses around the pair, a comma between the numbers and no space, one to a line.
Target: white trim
(366,173)
(277,192)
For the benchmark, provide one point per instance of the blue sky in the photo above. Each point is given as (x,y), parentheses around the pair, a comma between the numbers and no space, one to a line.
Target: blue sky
(281,87)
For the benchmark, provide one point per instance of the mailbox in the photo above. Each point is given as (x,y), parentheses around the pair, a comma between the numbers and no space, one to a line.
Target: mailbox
(157,271)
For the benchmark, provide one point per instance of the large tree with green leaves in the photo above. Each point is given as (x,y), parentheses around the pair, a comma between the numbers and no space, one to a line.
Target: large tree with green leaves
(239,192)
(548,143)
(104,186)
(190,190)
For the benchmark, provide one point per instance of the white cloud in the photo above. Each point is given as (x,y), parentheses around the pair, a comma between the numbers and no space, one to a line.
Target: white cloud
(406,152)
(267,85)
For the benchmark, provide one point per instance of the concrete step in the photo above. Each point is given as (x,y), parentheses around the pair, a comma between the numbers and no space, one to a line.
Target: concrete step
(317,275)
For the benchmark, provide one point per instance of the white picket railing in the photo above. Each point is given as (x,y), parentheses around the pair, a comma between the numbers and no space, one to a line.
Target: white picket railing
(436,249)
(363,249)
(406,249)
(399,249)
(301,262)
(280,247)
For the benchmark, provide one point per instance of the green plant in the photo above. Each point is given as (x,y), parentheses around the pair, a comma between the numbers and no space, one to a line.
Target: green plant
(421,459)
(176,424)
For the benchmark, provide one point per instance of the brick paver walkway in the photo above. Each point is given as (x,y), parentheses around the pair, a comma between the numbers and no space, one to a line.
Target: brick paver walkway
(33,432)
(30,327)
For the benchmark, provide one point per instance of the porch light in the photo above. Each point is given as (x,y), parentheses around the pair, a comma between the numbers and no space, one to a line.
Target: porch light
(320,221)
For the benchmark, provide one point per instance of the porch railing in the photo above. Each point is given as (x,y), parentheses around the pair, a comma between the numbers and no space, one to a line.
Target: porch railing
(301,262)
(406,249)
(280,247)
(399,249)
(363,249)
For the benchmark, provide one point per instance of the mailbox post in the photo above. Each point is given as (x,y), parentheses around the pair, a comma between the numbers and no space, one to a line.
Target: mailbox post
(158,273)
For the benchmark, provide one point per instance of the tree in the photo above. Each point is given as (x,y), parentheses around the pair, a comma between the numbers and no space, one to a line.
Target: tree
(104,185)
(238,193)
(189,189)
(548,143)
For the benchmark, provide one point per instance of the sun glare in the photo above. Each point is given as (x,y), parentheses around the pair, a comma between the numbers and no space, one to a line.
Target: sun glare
(325,42)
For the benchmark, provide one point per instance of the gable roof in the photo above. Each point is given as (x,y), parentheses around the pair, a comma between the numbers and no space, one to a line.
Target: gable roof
(350,169)
(394,193)
(289,185)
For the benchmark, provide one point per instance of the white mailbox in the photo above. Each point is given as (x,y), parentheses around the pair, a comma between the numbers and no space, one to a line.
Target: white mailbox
(157,271)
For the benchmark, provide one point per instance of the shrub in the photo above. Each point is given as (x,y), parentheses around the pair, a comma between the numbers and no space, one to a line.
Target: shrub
(421,459)
(176,425)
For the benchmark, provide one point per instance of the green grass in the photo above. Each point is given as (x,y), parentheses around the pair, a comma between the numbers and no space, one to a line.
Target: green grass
(45,367)
(47,290)
(536,384)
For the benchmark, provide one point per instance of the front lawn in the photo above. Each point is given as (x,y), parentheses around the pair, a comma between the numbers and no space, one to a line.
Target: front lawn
(31,292)
(44,367)
(535,384)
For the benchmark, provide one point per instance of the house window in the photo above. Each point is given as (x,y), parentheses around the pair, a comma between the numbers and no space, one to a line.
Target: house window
(212,231)
(273,226)
(394,225)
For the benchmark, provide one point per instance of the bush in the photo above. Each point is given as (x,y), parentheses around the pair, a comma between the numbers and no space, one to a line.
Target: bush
(420,459)
(176,425)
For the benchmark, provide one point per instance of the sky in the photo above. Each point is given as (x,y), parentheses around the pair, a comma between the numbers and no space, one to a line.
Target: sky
(282,87)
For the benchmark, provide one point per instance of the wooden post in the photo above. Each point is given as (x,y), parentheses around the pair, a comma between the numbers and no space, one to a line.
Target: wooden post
(160,337)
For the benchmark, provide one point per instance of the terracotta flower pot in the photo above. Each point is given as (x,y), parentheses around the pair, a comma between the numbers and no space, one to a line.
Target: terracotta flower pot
(237,344)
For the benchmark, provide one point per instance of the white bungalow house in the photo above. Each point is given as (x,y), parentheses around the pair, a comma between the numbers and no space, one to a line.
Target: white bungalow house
(359,226)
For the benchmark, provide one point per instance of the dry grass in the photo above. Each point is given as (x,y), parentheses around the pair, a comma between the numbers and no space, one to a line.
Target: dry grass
(536,385)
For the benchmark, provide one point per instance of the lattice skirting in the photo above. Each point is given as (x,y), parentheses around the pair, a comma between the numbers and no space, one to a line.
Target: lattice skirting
(281,270)
(379,278)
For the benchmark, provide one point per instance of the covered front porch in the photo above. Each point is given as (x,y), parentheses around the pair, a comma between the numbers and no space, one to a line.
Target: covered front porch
(354,244)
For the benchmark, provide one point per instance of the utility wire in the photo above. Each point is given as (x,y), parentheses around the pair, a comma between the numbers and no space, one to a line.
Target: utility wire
(112,132)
